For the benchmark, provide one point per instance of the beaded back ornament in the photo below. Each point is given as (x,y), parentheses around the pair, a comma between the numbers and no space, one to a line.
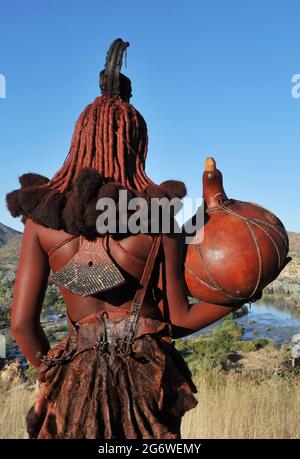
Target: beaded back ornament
(90,270)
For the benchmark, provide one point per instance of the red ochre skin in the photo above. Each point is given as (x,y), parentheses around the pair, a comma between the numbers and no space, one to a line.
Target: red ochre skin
(166,299)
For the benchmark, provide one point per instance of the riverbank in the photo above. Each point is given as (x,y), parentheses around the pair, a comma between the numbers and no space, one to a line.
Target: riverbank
(273,320)
(286,287)
(227,349)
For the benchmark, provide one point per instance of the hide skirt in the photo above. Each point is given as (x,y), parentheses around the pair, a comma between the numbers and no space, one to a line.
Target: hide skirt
(89,389)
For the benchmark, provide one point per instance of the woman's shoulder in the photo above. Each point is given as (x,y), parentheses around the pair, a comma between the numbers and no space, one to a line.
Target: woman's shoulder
(134,246)
(47,237)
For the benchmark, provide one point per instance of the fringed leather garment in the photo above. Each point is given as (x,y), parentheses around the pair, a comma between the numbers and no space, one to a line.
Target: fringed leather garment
(116,375)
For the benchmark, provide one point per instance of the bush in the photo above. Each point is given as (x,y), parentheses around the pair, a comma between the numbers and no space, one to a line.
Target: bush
(181,345)
(50,334)
(31,374)
(61,328)
(242,311)
(60,308)
(231,327)
(207,352)
(52,296)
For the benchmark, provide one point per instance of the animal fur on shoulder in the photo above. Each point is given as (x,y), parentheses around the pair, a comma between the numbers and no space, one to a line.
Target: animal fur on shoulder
(74,211)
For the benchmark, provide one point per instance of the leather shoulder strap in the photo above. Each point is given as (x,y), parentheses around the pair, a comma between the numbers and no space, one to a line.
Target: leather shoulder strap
(139,297)
(140,294)
(60,244)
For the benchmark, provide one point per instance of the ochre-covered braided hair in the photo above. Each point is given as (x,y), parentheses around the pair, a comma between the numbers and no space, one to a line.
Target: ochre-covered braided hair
(111,136)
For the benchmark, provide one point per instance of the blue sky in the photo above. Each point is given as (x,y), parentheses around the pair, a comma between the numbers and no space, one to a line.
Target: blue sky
(211,78)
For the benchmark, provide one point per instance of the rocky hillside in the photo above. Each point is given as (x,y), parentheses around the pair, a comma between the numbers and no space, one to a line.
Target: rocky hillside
(7,234)
(287,286)
(10,241)
(294,242)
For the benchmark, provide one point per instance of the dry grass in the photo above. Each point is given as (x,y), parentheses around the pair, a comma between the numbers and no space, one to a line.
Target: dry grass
(15,402)
(230,406)
(237,406)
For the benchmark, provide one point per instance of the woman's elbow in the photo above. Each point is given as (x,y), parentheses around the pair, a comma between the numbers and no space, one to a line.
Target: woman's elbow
(22,327)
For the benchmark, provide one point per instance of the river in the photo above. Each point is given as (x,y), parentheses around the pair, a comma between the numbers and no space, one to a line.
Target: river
(272,320)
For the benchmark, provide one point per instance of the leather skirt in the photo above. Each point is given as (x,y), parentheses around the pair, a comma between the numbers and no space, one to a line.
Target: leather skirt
(90,389)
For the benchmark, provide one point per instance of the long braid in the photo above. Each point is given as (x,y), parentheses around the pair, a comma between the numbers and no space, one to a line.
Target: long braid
(128,156)
(121,150)
(111,137)
(62,175)
(105,140)
(99,139)
(76,156)
(89,160)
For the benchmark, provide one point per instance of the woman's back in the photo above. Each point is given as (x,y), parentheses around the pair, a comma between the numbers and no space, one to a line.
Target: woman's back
(119,377)
(130,255)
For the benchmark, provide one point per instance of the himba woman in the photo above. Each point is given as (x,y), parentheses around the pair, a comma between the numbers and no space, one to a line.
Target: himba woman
(117,374)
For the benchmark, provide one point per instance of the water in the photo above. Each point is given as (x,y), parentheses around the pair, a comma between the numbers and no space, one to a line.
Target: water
(12,350)
(274,320)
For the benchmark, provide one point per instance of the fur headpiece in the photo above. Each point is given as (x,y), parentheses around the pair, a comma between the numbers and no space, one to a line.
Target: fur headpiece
(74,211)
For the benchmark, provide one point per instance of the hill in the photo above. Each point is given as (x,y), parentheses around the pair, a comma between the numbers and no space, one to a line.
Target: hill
(10,241)
(7,234)
(294,239)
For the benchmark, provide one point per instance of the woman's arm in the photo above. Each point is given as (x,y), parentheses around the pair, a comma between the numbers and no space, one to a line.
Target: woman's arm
(185,318)
(28,296)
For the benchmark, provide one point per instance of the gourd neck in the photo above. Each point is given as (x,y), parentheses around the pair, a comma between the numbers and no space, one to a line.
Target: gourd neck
(212,179)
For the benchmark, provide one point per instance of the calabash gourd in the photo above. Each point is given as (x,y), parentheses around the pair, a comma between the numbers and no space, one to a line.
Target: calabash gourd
(240,249)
